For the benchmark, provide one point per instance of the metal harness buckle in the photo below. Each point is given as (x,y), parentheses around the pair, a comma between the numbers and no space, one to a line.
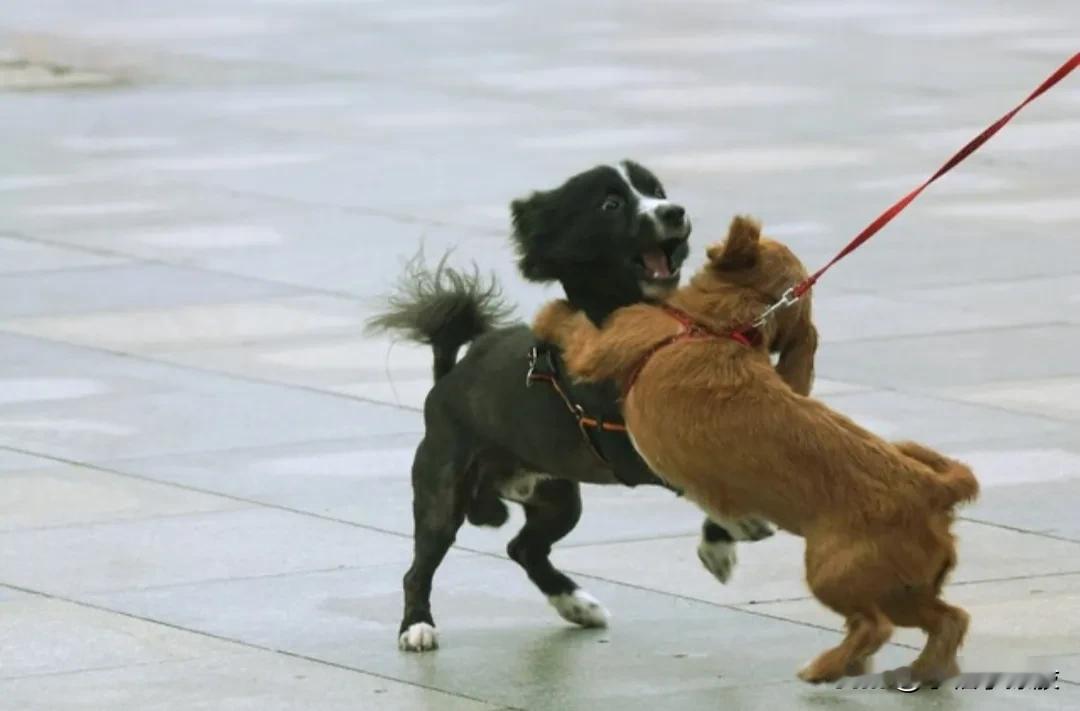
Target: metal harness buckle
(788,298)
(534,355)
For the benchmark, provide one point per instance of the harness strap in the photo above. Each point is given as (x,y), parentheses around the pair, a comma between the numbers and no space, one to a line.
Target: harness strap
(584,421)
(689,330)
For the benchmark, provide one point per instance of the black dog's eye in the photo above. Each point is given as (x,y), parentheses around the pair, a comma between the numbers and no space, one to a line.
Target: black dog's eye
(611,202)
(659,193)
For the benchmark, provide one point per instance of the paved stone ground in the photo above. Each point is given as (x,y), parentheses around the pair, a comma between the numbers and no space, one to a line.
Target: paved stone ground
(204,465)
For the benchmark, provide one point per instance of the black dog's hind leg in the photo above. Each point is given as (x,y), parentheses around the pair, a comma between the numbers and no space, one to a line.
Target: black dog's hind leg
(440,497)
(552,511)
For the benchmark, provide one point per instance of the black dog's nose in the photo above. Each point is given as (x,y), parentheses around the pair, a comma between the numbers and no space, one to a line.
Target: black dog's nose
(671,215)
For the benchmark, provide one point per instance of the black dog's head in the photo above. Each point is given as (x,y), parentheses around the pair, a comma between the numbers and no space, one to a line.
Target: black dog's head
(613,223)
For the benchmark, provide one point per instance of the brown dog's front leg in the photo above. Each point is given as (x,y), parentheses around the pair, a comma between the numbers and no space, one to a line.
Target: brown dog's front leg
(555,322)
(576,337)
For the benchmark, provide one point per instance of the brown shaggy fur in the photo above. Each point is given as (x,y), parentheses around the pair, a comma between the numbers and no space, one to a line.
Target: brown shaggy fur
(713,418)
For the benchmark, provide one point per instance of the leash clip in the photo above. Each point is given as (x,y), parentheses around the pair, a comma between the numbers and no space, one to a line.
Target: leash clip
(534,355)
(788,298)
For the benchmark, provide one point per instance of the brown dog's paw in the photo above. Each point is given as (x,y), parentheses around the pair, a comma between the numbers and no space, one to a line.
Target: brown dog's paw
(934,674)
(553,320)
(817,674)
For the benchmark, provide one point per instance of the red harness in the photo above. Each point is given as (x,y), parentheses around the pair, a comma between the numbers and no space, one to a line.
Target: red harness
(689,330)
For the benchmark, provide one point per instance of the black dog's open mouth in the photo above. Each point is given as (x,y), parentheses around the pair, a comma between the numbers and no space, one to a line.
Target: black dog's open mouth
(655,263)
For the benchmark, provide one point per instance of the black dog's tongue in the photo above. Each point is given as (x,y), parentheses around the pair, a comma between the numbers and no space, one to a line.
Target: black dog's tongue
(656,262)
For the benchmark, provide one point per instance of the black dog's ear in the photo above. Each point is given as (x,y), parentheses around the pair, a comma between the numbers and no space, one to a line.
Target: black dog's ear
(530,238)
(740,249)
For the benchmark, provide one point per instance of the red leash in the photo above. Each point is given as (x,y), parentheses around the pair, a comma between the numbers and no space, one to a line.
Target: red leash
(792,295)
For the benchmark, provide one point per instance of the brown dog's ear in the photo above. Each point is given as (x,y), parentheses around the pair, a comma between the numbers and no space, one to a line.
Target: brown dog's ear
(740,249)
(797,345)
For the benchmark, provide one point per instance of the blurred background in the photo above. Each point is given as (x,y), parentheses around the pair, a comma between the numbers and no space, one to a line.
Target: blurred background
(204,491)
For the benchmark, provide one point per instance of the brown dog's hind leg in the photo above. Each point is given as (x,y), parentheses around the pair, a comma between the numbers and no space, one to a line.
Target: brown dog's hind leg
(847,579)
(945,627)
(866,633)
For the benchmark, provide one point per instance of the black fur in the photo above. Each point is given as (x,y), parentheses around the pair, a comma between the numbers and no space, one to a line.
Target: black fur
(484,425)
(561,235)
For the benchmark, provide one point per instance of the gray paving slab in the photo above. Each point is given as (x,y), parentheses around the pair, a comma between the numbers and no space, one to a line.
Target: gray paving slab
(773,569)
(936,420)
(188,547)
(138,329)
(1026,624)
(70,494)
(122,287)
(45,636)
(20,256)
(367,481)
(249,680)
(18,461)
(503,638)
(961,358)
(1049,397)
(782,695)
(844,317)
(1042,507)
(176,421)
(319,247)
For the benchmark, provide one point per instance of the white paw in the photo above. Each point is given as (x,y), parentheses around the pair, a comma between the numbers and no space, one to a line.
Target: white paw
(420,637)
(581,608)
(749,529)
(718,558)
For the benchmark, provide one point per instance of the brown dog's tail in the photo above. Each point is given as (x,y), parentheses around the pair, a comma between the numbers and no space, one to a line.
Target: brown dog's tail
(954,483)
(443,308)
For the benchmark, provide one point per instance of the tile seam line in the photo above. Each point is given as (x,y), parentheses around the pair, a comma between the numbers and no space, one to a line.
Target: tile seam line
(929,394)
(242,643)
(231,497)
(366,211)
(954,332)
(162,262)
(209,371)
(408,408)
(57,271)
(182,265)
(301,512)
(238,507)
(116,667)
(738,607)
(952,584)
(224,638)
(906,292)
(369,441)
(323,662)
(218,581)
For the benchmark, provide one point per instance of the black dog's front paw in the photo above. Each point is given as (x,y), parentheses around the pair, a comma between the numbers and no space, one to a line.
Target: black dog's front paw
(751,529)
(418,637)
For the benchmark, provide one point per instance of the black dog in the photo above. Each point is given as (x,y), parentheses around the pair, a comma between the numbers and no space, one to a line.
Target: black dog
(611,237)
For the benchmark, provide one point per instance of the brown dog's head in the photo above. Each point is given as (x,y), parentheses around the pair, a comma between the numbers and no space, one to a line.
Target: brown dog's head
(745,275)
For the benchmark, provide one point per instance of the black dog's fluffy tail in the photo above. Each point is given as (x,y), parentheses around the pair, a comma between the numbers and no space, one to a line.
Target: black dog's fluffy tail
(442,307)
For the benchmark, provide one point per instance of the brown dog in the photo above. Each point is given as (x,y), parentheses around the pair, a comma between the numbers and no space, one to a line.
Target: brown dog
(709,413)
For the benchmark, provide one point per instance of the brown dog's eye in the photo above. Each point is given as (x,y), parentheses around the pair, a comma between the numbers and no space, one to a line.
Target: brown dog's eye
(611,202)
